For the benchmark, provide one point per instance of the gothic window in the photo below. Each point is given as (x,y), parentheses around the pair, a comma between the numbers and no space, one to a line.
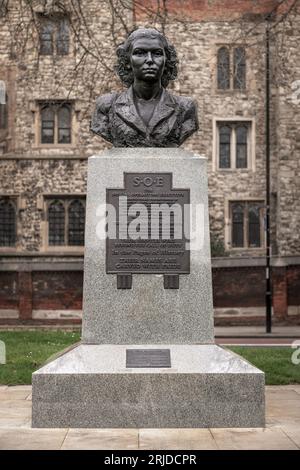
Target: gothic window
(64,124)
(247,224)
(237,225)
(76,212)
(223,68)
(54,35)
(224,151)
(8,222)
(241,132)
(66,221)
(55,123)
(46,38)
(62,37)
(231,68)
(4,112)
(234,141)
(239,68)
(47,125)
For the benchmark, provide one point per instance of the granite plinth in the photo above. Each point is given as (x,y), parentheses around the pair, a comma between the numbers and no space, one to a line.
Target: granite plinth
(90,387)
(147,313)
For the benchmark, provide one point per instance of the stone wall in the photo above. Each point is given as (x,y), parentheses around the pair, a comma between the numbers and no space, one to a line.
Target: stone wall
(30,171)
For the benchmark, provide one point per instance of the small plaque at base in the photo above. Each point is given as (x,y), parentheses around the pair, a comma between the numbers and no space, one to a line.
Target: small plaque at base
(148,358)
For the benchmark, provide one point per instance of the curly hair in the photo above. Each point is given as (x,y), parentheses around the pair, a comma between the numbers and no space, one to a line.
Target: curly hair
(123,67)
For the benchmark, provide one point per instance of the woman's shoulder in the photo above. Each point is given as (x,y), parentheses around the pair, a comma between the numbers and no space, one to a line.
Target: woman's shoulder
(104,102)
(185,102)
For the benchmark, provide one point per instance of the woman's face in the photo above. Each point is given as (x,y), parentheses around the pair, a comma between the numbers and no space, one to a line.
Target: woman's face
(147,59)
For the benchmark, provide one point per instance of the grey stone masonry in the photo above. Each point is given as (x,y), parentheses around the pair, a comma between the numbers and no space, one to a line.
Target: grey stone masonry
(201,384)
(147,313)
(207,386)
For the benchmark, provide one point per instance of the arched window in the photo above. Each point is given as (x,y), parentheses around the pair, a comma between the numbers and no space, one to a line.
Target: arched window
(224,146)
(7,223)
(46,38)
(66,221)
(247,224)
(223,68)
(254,225)
(76,216)
(234,147)
(56,223)
(241,146)
(4,111)
(237,236)
(47,124)
(64,124)
(239,67)
(231,68)
(62,36)
(54,35)
(56,118)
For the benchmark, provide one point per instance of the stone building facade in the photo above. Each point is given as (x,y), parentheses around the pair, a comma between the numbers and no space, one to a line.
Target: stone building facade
(56,57)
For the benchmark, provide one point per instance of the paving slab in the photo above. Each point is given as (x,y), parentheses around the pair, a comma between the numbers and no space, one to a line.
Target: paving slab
(283,409)
(282,430)
(19,387)
(15,394)
(97,439)
(252,439)
(281,394)
(175,439)
(14,412)
(292,430)
(32,439)
(13,422)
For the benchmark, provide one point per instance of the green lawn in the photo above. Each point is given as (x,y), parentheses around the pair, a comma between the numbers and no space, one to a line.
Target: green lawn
(27,351)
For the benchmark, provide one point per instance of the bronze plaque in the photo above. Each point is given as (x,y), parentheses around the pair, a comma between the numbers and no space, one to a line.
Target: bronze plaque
(148,358)
(167,253)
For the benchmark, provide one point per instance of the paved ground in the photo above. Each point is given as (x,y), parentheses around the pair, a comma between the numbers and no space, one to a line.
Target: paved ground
(256,335)
(292,331)
(282,430)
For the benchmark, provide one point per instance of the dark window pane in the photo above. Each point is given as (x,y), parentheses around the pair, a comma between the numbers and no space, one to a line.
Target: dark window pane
(7,223)
(223,68)
(254,225)
(76,223)
(46,38)
(224,146)
(47,125)
(64,125)
(56,220)
(239,61)
(241,146)
(4,113)
(237,212)
(62,37)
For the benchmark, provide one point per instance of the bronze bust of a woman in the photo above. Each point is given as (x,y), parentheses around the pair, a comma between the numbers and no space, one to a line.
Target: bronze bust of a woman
(146,114)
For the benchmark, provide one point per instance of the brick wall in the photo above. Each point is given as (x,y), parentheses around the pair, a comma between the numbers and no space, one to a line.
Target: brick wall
(57,290)
(234,289)
(239,287)
(205,10)
(9,290)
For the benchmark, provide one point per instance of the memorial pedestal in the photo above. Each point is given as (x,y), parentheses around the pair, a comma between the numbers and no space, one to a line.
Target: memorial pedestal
(103,382)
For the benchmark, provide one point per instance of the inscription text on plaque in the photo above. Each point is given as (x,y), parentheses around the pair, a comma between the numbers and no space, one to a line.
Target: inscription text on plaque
(157,212)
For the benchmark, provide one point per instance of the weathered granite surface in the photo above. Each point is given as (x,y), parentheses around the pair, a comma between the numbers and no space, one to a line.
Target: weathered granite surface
(206,386)
(90,386)
(147,313)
